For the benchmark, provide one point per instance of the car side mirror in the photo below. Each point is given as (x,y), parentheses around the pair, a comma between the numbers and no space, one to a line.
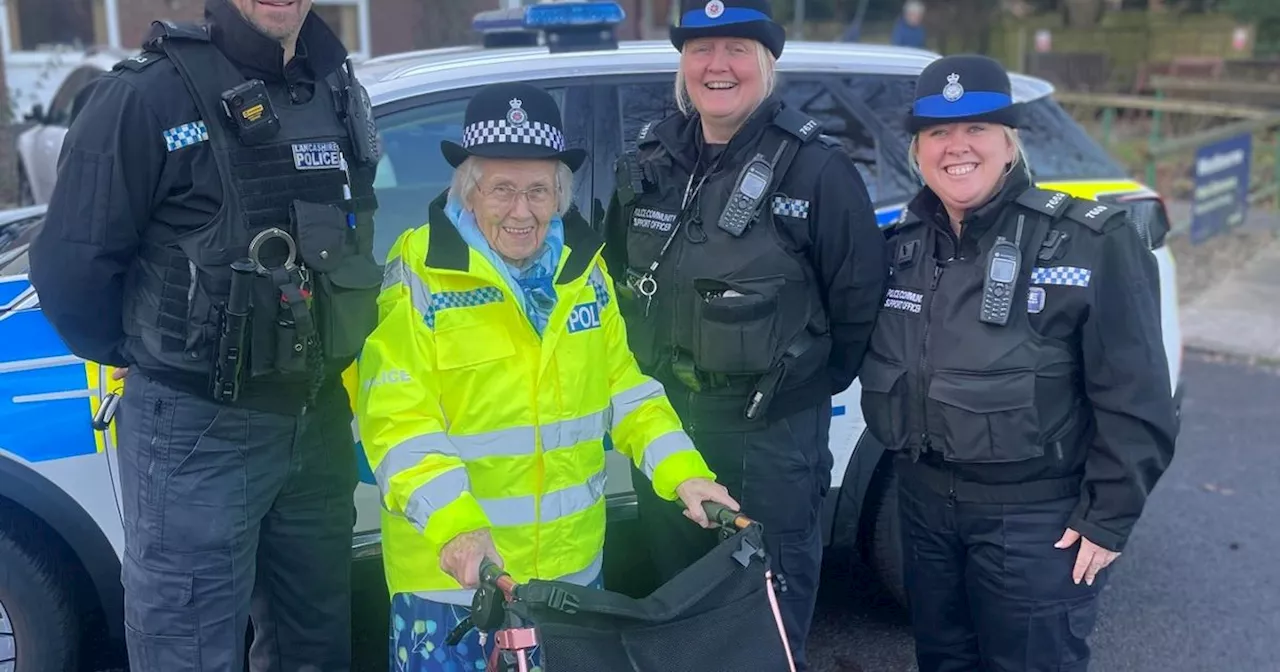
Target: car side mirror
(36,115)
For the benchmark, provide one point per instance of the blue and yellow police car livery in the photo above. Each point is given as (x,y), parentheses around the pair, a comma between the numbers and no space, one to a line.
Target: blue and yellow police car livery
(58,483)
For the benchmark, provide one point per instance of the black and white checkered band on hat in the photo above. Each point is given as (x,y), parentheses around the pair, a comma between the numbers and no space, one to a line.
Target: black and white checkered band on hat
(513,120)
(501,131)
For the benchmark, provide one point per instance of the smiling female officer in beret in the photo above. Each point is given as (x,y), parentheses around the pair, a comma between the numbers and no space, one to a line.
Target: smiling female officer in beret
(1017,368)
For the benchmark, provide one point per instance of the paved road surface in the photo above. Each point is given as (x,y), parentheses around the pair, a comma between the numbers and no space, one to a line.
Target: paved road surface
(1198,588)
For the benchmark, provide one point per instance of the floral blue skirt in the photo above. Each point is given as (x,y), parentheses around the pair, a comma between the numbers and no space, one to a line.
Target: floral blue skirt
(419,628)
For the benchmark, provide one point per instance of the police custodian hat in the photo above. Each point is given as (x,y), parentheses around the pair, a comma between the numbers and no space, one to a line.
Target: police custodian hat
(512,121)
(965,87)
(748,19)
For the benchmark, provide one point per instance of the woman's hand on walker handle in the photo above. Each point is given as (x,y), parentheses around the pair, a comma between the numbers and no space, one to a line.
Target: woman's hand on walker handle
(694,491)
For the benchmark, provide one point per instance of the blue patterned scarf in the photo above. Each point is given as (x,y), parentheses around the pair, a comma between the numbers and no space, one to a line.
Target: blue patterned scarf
(533,284)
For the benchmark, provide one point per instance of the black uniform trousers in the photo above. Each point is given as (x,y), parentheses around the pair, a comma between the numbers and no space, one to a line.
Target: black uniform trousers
(986,588)
(779,472)
(232,514)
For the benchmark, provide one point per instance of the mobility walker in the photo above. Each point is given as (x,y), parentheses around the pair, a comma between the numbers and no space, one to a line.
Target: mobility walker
(718,615)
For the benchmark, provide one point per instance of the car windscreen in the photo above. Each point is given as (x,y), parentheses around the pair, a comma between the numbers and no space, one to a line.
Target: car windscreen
(15,237)
(1059,148)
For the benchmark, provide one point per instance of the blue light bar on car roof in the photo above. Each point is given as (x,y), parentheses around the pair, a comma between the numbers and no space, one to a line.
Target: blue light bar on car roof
(567,14)
(567,25)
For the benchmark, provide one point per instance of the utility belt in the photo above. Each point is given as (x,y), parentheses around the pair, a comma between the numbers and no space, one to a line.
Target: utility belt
(758,392)
(945,482)
(297,308)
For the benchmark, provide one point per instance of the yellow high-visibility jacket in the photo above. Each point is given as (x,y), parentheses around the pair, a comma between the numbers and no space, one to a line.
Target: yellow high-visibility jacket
(471,421)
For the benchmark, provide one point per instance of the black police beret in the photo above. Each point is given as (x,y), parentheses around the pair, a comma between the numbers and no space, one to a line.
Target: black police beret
(959,88)
(512,121)
(748,19)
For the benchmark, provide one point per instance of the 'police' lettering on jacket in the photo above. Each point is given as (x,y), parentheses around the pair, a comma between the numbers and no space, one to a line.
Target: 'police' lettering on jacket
(317,156)
(653,220)
(903,300)
(584,316)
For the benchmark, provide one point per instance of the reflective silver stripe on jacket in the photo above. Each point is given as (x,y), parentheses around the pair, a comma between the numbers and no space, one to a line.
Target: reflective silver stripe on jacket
(398,273)
(463,597)
(663,447)
(434,495)
(626,402)
(517,441)
(520,510)
(410,453)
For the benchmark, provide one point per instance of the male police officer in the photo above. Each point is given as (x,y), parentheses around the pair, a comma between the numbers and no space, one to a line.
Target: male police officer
(1018,371)
(211,230)
(751,267)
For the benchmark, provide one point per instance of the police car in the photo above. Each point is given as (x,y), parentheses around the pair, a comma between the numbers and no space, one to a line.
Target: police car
(60,528)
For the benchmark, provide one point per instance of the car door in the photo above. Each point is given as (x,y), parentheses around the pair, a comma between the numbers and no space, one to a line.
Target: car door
(47,394)
(413,172)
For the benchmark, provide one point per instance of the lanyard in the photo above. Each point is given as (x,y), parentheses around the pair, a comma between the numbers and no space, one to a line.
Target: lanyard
(647,285)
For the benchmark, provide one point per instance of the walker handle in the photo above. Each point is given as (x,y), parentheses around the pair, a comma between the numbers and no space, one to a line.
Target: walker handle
(493,575)
(726,517)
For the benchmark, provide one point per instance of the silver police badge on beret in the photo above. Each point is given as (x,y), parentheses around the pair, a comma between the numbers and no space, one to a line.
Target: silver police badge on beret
(952,91)
(714,9)
(516,116)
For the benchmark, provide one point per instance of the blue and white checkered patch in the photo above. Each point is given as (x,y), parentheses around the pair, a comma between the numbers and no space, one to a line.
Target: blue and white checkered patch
(468,299)
(1070,276)
(596,279)
(791,207)
(185,135)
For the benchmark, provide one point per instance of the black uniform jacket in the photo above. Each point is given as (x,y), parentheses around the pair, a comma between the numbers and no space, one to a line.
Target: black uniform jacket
(115,174)
(1124,440)
(839,238)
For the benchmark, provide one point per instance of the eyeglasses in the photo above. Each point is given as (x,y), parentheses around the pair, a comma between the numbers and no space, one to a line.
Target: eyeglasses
(505,194)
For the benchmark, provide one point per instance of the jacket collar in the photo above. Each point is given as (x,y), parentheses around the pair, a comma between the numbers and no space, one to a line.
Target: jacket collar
(928,207)
(682,136)
(447,250)
(263,57)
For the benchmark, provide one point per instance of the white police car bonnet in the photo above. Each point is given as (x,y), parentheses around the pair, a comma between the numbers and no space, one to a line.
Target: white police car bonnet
(512,121)
(748,19)
(964,87)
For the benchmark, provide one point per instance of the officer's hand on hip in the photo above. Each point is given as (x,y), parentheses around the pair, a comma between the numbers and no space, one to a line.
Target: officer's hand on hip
(1091,559)
(460,558)
(694,491)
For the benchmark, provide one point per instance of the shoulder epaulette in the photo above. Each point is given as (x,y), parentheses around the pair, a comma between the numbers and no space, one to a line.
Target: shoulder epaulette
(646,135)
(797,123)
(1052,203)
(137,63)
(1094,215)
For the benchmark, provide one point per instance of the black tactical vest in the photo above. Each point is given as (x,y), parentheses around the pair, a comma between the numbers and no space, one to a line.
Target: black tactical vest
(296,218)
(936,378)
(726,312)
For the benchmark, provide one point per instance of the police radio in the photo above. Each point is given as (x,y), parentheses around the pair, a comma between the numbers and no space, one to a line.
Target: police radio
(1002,277)
(746,197)
(364,133)
(249,108)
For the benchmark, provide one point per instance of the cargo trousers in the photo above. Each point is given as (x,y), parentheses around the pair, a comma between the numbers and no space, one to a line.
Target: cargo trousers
(779,471)
(986,588)
(234,515)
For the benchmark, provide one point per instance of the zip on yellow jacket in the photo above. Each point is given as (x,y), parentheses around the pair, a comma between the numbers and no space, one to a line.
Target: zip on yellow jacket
(471,421)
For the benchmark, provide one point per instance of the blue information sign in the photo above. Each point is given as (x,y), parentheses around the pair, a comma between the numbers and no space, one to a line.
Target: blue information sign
(1221,195)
